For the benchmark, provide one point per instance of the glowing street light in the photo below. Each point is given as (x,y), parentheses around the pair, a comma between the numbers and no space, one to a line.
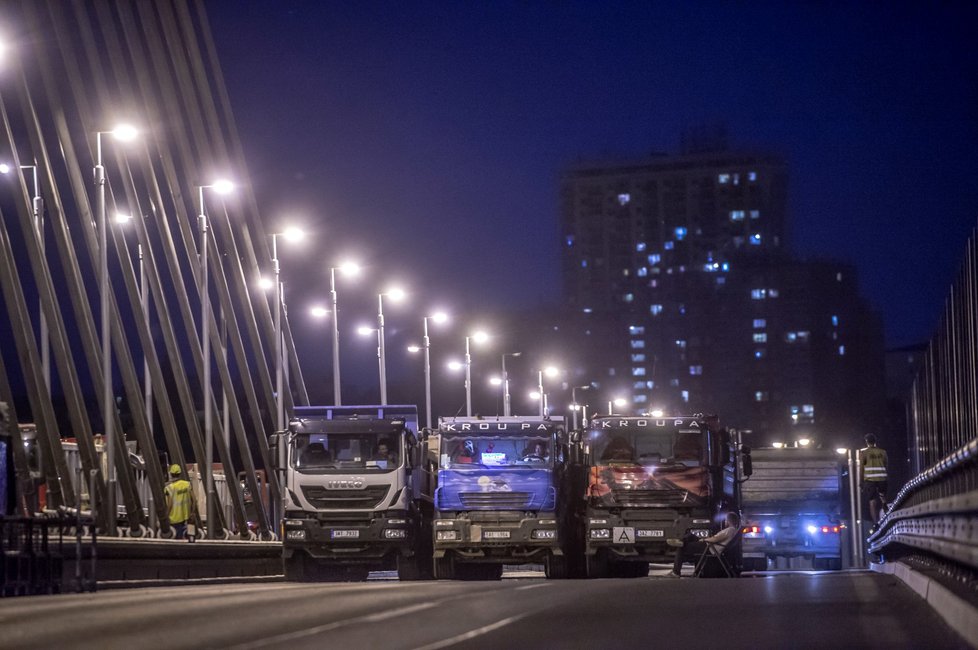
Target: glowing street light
(507,402)
(439,317)
(549,371)
(617,401)
(124,133)
(221,187)
(349,269)
(291,234)
(319,311)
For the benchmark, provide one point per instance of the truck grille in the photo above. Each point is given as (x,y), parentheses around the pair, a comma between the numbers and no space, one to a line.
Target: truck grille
(363,499)
(647,498)
(500,500)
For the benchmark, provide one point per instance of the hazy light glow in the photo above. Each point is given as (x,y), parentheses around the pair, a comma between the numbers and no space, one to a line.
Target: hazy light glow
(495,381)
(414,348)
(122,218)
(535,395)
(319,311)
(4,168)
(293,234)
(480,337)
(439,317)
(841,450)
(777,445)
(455,365)
(804,442)
(396,294)
(551,371)
(222,186)
(266,283)
(349,268)
(620,401)
(657,413)
(365,330)
(812,529)
(125,132)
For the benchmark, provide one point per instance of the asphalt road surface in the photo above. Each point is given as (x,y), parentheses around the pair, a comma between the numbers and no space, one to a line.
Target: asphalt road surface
(790,610)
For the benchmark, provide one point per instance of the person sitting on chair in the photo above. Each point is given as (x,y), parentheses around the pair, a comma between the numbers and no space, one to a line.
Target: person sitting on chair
(691,547)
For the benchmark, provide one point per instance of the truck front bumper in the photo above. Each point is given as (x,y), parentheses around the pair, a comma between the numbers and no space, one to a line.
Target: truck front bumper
(523,540)
(639,538)
(372,538)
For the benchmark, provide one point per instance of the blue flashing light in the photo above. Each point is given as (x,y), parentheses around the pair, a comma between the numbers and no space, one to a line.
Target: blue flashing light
(680,233)
(668,245)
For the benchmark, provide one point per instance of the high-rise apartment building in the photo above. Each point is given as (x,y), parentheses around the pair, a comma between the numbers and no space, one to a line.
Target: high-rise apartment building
(678,282)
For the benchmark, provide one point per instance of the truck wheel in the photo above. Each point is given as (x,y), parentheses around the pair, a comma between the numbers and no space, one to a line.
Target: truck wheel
(556,567)
(597,565)
(444,568)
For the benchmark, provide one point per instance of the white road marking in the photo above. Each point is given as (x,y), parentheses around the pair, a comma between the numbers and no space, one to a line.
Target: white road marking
(471,634)
(369,618)
(525,587)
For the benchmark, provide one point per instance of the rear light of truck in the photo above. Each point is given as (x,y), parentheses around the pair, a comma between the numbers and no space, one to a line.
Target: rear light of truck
(831,529)
(752,531)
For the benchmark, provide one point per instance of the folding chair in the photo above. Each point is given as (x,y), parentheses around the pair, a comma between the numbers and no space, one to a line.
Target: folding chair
(716,563)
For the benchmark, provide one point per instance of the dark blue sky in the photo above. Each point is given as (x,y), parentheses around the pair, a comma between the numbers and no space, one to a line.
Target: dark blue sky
(430,136)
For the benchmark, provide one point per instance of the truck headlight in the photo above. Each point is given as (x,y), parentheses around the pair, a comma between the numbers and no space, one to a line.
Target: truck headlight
(700,532)
(295,535)
(600,533)
(447,535)
(293,522)
(543,534)
(395,533)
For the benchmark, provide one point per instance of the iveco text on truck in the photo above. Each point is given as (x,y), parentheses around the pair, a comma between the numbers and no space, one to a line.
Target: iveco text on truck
(496,496)
(357,496)
(646,480)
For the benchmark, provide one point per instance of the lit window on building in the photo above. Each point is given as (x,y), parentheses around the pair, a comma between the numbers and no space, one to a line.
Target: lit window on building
(723,179)
(790,337)
(611,372)
(696,370)
(736,179)
(760,323)
(760,396)
(758,294)
(638,358)
(793,409)
(640,247)
(638,372)
(570,240)
(736,215)
(681,344)
(760,337)
(755,239)
(636,330)
(640,399)
(755,214)
(583,264)
(680,233)
(803,335)
(808,409)
(650,384)
(637,344)
(738,241)
(760,354)
(653,283)
(682,310)
(642,271)
(669,245)
(684,395)
(838,277)
(674,382)
(628,297)
(587,310)
(626,272)
(772,293)
(752,176)
(655,310)
(721,280)
(624,198)
(654,259)
(639,385)
(835,321)
(842,350)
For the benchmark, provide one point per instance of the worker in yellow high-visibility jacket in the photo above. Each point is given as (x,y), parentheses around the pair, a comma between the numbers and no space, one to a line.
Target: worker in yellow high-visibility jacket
(179,501)
(872,465)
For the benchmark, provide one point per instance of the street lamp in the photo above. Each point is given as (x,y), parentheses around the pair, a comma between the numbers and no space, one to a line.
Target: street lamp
(478,337)
(506,400)
(291,234)
(574,405)
(617,401)
(220,187)
(124,133)
(396,295)
(348,269)
(438,317)
(37,206)
(550,371)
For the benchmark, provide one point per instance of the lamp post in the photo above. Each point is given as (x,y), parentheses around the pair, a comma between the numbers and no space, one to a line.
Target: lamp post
(395,295)
(347,268)
(616,401)
(506,399)
(37,207)
(550,371)
(438,317)
(121,218)
(220,187)
(574,405)
(479,337)
(291,234)
(123,132)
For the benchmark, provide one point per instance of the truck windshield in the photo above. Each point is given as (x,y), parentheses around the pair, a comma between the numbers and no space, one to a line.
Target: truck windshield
(516,451)
(320,452)
(647,447)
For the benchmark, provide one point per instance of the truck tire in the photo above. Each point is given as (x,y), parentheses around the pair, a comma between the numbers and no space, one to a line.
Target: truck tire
(444,568)
(556,567)
(596,565)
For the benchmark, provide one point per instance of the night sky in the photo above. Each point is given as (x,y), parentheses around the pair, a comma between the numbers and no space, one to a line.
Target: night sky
(429,137)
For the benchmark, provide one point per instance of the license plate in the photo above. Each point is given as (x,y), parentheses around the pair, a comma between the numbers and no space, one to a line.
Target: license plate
(623,535)
(495,534)
(651,533)
(345,534)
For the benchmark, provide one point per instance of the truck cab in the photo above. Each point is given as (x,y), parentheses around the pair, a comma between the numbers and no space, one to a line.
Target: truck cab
(646,480)
(497,494)
(356,493)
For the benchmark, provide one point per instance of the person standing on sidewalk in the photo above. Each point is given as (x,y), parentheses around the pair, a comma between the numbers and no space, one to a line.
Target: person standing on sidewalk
(872,464)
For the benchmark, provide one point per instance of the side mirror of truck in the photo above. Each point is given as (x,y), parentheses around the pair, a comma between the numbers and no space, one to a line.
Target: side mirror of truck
(746,461)
(274,449)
